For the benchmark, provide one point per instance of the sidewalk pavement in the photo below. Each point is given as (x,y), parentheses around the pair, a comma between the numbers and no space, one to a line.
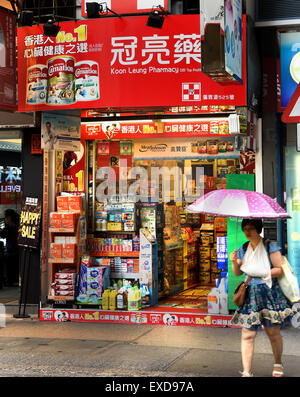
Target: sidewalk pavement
(33,348)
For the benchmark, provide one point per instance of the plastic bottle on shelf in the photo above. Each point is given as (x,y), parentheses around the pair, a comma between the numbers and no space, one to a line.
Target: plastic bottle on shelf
(131,299)
(213,301)
(147,297)
(113,299)
(120,299)
(105,299)
(223,297)
(138,298)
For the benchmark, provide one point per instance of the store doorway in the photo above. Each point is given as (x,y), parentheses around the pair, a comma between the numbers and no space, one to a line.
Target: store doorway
(10,205)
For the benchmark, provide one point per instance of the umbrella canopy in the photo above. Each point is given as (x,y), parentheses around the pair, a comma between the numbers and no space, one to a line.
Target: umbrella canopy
(238,203)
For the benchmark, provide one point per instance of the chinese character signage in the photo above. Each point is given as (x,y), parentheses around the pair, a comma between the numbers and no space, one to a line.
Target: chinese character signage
(7,60)
(128,6)
(30,220)
(118,63)
(155,129)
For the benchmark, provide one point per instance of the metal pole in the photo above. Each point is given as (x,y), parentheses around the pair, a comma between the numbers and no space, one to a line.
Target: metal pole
(27,281)
(19,315)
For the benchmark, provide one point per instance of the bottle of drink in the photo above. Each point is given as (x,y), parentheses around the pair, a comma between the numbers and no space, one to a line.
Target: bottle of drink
(113,299)
(105,299)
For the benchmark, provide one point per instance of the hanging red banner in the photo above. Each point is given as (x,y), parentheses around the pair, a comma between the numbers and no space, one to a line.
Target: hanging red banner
(152,129)
(118,63)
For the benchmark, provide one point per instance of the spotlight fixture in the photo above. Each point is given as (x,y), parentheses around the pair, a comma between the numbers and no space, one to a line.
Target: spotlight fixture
(26,18)
(50,29)
(93,10)
(156,18)
(96,10)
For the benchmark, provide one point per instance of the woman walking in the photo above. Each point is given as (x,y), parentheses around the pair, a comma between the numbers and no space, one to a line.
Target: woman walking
(265,303)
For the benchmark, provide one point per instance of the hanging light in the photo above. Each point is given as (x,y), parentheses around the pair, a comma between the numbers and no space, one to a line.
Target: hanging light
(50,29)
(156,18)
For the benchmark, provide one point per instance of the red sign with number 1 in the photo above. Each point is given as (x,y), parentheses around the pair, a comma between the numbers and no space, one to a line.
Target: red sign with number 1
(119,63)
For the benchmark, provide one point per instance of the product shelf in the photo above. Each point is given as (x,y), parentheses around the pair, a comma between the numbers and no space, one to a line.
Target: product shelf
(133,254)
(61,298)
(61,260)
(61,230)
(125,275)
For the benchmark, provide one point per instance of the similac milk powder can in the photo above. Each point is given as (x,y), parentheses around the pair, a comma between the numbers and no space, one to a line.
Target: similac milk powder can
(61,80)
(87,81)
(36,84)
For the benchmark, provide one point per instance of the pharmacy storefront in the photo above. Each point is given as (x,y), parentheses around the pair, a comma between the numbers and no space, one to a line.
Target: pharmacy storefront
(117,243)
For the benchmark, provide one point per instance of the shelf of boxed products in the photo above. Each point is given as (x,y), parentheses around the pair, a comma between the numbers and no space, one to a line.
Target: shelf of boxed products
(63,285)
(66,237)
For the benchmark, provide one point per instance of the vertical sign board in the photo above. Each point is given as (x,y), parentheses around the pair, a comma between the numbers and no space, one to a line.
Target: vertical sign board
(245,182)
(292,167)
(30,221)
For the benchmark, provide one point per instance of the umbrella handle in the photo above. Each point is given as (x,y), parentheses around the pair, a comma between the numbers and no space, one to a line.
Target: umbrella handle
(236,229)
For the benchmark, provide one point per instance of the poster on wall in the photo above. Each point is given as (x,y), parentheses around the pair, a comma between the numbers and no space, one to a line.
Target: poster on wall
(30,221)
(60,131)
(8,83)
(88,63)
(73,170)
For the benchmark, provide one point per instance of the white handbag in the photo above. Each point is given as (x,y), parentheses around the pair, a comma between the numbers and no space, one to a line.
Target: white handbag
(288,282)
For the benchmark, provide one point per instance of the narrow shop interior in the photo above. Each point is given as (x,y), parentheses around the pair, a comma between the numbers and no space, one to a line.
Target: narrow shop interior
(191,248)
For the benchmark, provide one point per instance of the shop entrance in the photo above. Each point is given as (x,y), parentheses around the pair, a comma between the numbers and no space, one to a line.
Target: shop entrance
(189,254)
(10,205)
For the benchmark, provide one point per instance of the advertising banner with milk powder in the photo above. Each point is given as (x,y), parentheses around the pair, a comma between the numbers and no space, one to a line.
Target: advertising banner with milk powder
(118,63)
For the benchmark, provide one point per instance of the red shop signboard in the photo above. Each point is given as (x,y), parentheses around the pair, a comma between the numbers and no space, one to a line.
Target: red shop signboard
(152,129)
(118,63)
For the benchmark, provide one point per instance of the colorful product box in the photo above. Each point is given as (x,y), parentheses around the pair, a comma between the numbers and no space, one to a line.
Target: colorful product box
(62,203)
(75,203)
(220,224)
(55,251)
(68,220)
(65,276)
(64,287)
(55,220)
(63,281)
(68,251)
(204,252)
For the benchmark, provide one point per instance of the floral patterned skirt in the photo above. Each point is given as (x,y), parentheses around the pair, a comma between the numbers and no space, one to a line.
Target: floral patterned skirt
(263,306)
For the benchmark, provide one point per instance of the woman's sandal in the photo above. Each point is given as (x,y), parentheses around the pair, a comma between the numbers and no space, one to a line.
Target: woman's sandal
(277,374)
(246,374)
